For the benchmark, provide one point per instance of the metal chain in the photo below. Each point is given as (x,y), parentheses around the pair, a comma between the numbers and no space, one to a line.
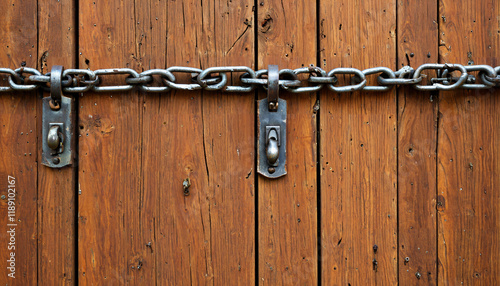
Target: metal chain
(216,78)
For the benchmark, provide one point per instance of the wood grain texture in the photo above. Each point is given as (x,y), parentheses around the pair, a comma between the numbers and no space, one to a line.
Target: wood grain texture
(114,225)
(469,150)
(358,148)
(287,228)
(208,236)
(56,187)
(417,140)
(18,144)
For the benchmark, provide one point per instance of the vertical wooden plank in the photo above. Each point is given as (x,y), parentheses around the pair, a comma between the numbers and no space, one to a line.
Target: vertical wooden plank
(56,199)
(18,148)
(207,236)
(287,227)
(114,225)
(358,148)
(417,139)
(469,150)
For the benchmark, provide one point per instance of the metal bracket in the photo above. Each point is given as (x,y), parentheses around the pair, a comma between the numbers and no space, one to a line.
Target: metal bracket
(271,152)
(57,124)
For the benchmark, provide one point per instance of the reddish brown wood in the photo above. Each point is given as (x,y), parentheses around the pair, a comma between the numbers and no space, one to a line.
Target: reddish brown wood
(288,252)
(56,197)
(417,139)
(18,144)
(358,148)
(469,150)
(208,236)
(114,224)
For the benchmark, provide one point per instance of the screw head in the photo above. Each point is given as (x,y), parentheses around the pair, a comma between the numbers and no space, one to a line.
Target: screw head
(3,197)
(271,170)
(375,248)
(418,275)
(56,160)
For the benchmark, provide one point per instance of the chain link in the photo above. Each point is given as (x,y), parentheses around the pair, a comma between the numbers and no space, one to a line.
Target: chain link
(447,77)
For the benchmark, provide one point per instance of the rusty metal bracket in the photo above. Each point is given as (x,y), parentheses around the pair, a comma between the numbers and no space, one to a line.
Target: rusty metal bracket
(271,153)
(57,124)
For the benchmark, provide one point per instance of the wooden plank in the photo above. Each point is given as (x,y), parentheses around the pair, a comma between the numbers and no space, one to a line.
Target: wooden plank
(417,140)
(56,187)
(287,207)
(358,148)
(114,225)
(18,147)
(469,150)
(208,236)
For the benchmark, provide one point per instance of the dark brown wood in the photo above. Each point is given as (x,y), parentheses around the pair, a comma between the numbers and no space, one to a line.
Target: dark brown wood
(56,187)
(358,148)
(288,252)
(206,235)
(18,145)
(114,225)
(417,139)
(469,150)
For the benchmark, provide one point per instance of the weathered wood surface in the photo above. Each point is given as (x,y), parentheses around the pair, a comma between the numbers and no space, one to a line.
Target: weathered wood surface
(358,148)
(18,146)
(417,143)
(414,173)
(56,187)
(287,232)
(150,145)
(208,236)
(114,227)
(469,150)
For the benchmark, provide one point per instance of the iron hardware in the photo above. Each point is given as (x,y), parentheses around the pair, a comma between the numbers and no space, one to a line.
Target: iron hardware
(57,124)
(272,130)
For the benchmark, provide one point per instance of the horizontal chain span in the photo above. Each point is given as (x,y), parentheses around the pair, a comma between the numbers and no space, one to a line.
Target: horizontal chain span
(447,77)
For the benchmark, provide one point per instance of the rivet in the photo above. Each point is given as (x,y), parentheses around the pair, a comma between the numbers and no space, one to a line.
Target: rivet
(271,170)
(56,160)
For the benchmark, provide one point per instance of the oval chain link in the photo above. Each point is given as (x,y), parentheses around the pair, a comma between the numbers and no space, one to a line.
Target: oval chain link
(216,79)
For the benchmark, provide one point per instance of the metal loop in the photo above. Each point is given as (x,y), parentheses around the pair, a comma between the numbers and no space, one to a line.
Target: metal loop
(309,70)
(128,71)
(141,80)
(404,76)
(164,74)
(482,69)
(182,86)
(89,80)
(19,72)
(222,85)
(10,73)
(493,81)
(385,71)
(348,88)
(56,74)
(439,86)
(273,89)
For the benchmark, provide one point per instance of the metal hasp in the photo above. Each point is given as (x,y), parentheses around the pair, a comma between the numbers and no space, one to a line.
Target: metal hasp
(57,124)
(271,152)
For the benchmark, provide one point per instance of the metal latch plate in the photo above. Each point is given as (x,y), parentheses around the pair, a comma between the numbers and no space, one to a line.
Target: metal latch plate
(268,118)
(63,117)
